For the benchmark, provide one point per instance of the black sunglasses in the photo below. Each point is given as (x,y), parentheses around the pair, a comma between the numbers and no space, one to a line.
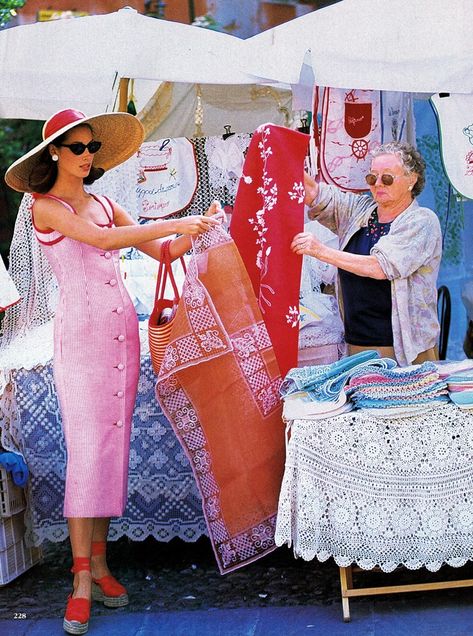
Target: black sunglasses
(386,179)
(78,148)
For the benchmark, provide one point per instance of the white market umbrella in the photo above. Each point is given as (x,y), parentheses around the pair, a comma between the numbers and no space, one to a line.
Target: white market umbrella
(418,46)
(78,62)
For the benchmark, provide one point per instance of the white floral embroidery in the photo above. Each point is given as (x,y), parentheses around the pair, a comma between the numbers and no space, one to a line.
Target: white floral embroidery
(297,192)
(293,316)
(269,192)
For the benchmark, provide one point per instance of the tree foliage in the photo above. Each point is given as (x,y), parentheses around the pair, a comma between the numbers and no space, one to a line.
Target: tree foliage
(8,10)
(17,136)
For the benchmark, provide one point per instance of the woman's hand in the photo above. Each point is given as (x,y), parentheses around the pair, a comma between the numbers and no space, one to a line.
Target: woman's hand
(197,224)
(216,211)
(214,208)
(311,188)
(306,243)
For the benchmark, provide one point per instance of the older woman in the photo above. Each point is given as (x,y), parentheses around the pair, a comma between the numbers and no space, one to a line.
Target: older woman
(388,258)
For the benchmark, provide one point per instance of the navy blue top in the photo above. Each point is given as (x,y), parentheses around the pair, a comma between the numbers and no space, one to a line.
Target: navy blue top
(367,303)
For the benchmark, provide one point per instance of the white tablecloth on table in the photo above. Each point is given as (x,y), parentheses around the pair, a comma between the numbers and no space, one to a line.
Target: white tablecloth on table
(380,492)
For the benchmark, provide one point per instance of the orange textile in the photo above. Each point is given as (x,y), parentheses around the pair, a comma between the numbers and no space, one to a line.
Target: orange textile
(219,387)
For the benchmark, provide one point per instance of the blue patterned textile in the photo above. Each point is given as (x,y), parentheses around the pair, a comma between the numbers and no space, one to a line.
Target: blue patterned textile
(163,500)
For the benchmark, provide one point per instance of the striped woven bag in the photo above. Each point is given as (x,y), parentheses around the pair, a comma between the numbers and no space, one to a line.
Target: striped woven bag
(164,310)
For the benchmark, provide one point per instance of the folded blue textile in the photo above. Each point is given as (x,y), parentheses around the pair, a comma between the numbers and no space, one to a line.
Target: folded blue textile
(462,398)
(299,379)
(324,382)
(15,464)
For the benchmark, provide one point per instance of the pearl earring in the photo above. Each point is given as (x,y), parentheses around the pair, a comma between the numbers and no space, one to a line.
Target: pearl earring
(410,187)
(54,157)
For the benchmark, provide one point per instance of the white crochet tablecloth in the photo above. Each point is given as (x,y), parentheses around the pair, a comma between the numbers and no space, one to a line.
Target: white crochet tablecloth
(380,492)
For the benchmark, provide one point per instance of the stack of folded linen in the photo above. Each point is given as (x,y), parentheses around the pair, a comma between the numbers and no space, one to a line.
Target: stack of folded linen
(446,368)
(407,390)
(316,392)
(460,389)
(299,406)
(325,382)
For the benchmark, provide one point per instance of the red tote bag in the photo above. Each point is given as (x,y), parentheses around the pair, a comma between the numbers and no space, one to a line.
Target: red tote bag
(164,310)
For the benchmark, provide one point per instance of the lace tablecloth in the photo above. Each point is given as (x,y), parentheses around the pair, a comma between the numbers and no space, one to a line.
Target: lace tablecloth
(163,500)
(380,492)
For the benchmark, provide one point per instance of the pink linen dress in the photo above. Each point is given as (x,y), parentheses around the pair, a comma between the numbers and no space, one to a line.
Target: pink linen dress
(96,369)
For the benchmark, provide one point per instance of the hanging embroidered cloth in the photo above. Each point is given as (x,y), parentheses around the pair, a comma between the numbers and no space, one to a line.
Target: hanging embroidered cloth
(226,156)
(219,388)
(351,127)
(167,178)
(268,213)
(353,122)
(455,117)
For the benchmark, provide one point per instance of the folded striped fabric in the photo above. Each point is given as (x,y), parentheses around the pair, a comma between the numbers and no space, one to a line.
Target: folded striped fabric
(460,389)
(398,387)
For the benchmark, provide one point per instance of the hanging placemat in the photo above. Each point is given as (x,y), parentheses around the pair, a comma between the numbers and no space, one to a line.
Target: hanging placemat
(455,117)
(167,178)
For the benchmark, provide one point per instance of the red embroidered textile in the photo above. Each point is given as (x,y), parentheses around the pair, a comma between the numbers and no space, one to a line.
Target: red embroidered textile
(268,213)
(219,387)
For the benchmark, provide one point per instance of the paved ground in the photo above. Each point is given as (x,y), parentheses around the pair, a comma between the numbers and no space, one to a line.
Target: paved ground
(174,576)
(182,578)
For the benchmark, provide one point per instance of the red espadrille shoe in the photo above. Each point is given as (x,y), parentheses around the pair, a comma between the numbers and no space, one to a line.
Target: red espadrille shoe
(107,589)
(76,619)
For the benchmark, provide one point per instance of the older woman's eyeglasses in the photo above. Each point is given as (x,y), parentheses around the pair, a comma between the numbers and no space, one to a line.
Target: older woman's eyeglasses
(78,148)
(386,179)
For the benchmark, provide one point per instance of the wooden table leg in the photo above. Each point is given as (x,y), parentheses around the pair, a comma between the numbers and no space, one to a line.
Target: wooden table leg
(346,583)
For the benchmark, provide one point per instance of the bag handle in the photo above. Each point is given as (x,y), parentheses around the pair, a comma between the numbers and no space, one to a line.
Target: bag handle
(165,270)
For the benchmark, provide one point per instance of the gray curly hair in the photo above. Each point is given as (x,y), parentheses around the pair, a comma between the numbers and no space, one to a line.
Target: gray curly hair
(410,158)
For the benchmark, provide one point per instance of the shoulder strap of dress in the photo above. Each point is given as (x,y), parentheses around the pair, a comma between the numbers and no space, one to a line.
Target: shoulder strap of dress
(52,196)
(110,213)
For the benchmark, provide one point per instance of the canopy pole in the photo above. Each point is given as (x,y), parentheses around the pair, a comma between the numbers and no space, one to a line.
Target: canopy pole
(123,94)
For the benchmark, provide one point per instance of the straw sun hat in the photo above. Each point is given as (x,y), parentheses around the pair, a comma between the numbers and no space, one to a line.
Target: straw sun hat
(121,135)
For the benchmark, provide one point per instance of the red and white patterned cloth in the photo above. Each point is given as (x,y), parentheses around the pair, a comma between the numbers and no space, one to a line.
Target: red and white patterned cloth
(268,213)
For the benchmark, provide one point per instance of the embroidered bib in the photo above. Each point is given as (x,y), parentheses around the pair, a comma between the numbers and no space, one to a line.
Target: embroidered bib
(167,178)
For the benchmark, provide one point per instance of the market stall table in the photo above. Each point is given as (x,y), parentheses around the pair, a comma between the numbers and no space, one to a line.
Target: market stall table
(163,500)
(380,492)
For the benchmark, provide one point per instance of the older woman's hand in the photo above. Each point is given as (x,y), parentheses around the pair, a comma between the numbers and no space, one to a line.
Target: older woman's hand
(307,243)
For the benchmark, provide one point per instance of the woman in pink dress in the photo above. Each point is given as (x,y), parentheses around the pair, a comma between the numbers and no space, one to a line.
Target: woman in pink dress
(96,342)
